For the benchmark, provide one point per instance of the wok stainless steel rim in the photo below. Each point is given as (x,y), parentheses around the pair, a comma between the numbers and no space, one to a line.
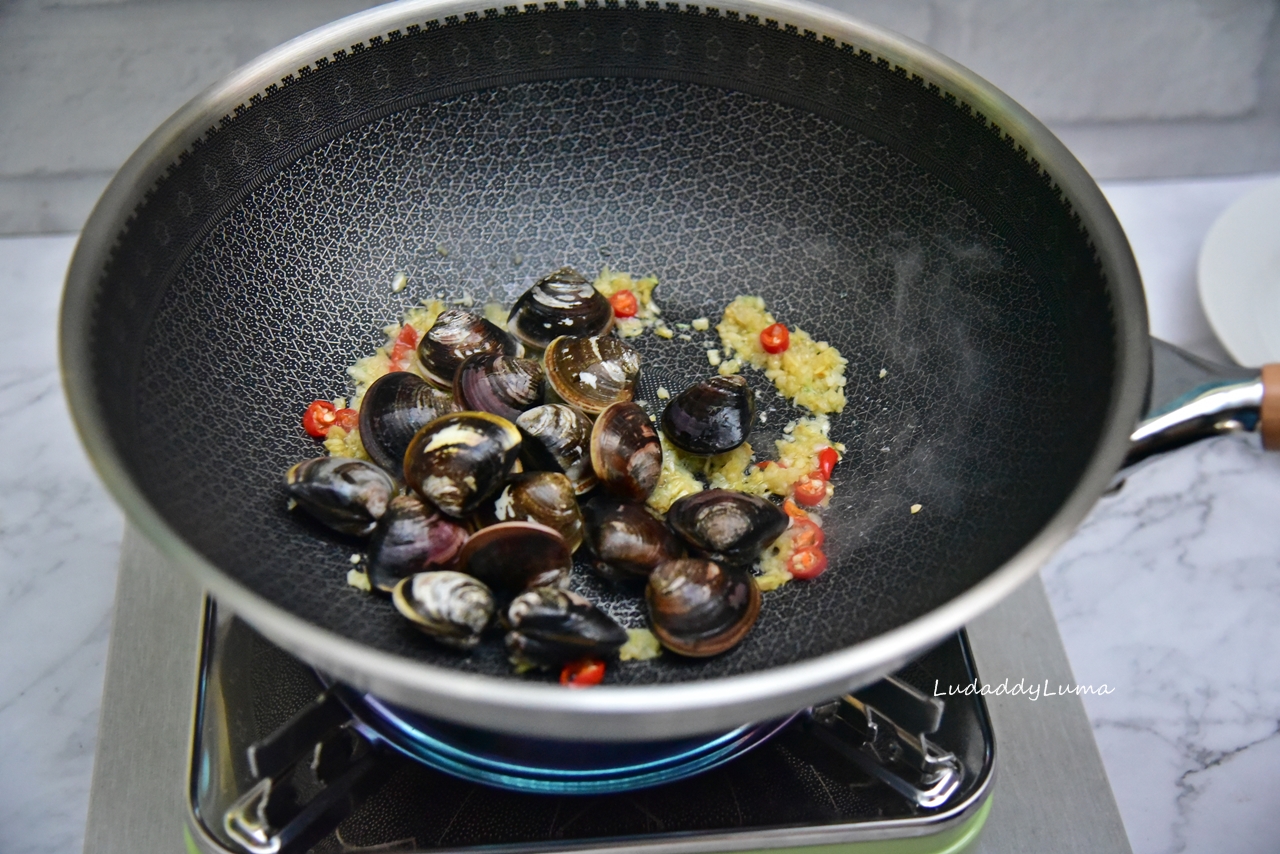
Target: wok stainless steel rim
(607,713)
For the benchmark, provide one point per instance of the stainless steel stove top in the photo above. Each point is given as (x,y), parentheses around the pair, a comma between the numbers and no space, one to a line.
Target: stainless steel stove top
(1051,794)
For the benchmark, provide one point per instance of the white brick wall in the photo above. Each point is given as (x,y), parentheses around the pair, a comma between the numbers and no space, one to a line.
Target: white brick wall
(1135,87)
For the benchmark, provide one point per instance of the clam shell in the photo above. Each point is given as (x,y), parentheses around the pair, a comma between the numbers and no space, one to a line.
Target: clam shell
(711,417)
(501,384)
(456,336)
(512,556)
(395,407)
(557,437)
(626,540)
(591,373)
(550,627)
(563,303)
(451,607)
(543,497)
(626,453)
(726,526)
(411,537)
(347,495)
(458,460)
(700,608)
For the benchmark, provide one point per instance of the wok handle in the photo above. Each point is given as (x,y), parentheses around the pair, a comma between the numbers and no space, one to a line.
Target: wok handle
(1192,399)
(1270,412)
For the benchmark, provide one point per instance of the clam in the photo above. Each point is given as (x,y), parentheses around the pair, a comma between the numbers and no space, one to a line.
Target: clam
(451,607)
(550,627)
(543,497)
(626,453)
(458,460)
(347,495)
(497,383)
(591,373)
(395,407)
(699,608)
(456,336)
(563,303)
(726,526)
(411,537)
(557,437)
(626,540)
(513,556)
(711,417)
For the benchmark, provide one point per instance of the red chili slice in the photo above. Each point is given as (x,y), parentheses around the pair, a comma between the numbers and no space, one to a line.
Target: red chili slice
(624,304)
(807,563)
(406,342)
(827,459)
(347,419)
(775,338)
(318,418)
(583,673)
(811,490)
(805,534)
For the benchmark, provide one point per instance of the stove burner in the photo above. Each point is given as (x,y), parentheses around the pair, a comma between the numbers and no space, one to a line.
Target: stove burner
(284,764)
(545,765)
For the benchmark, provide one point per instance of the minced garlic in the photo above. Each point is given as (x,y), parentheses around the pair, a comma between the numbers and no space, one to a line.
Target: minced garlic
(808,372)
(340,443)
(641,645)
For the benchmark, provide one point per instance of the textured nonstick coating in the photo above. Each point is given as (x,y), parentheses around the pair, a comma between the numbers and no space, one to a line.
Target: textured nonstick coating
(864,206)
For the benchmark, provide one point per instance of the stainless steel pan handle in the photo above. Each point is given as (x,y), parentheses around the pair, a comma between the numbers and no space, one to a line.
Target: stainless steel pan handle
(1191,398)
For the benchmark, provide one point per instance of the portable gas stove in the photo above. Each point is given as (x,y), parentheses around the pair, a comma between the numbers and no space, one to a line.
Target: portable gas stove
(848,776)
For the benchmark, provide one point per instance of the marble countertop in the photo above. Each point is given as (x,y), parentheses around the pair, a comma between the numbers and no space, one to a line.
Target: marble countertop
(1166,596)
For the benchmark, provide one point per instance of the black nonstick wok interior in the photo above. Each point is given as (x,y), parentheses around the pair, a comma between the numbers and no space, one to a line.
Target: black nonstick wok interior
(722,154)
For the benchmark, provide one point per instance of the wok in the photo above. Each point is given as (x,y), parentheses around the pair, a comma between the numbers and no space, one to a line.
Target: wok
(872,191)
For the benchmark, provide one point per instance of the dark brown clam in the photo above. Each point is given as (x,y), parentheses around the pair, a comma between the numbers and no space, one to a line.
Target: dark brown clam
(458,460)
(456,336)
(347,495)
(412,537)
(626,453)
(711,417)
(557,437)
(512,556)
(699,608)
(626,540)
(395,407)
(563,303)
(727,526)
(591,373)
(550,627)
(451,607)
(503,385)
(540,496)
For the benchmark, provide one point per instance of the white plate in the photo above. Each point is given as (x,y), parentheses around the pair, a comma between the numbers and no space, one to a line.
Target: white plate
(1239,276)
